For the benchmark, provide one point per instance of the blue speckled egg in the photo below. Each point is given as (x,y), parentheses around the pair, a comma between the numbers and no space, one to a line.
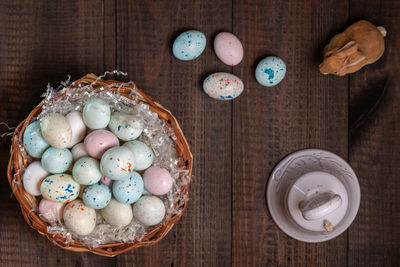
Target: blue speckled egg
(56,160)
(96,196)
(129,189)
(189,45)
(86,171)
(117,163)
(59,188)
(33,140)
(96,113)
(270,71)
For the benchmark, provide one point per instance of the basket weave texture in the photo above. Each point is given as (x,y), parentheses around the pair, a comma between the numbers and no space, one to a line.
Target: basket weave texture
(19,160)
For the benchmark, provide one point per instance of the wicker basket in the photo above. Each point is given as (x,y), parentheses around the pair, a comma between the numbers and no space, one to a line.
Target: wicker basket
(28,202)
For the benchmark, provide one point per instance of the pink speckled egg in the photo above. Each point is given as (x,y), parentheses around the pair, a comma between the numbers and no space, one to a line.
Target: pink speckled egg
(51,211)
(99,141)
(228,48)
(157,180)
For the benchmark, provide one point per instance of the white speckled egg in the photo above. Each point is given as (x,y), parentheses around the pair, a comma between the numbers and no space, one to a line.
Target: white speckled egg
(96,113)
(56,130)
(270,71)
(79,218)
(125,126)
(34,143)
(96,196)
(128,189)
(78,151)
(33,177)
(86,171)
(142,154)
(116,213)
(56,160)
(78,127)
(189,45)
(228,48)
(149,210)
(60,188)
(117,162)
(223,86)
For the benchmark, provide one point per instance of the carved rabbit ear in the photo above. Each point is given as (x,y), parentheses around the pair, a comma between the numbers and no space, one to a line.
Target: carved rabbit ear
(347,50)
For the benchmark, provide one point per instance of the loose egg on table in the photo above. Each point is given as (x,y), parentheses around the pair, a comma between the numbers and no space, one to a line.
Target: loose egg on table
(33,177)
(142,154)
(117,213)
(56,160)
(99,141)
(78,127)
(78,151)
(60,188)
(189,45)
(86,171)
(228,48)
(125,126)
(149,210)
(51,211)
(56,130)
(96,113)
(270,71)
(223,86)
(157,180)
(117,163)
(79,218)
(129,189)
(96,196)
(34,143)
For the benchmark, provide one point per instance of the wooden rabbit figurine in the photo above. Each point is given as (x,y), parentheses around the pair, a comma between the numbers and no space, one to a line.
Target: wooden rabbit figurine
(359,45)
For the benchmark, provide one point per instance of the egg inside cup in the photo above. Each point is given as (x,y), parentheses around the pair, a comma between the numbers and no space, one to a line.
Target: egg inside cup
(78,220)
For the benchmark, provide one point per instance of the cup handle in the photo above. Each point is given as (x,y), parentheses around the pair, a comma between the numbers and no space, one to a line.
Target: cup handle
(320,205)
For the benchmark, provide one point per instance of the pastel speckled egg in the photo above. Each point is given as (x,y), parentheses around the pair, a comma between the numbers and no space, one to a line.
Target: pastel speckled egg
(99,141)
(223,86)
(270,71)
(228,48)
(157,180)
(34,143)
(96,113)
(50,211)
(149,210)
(117,163)
(86,171)
(56,130)
(96,196)
(125,126)
(78,127)
(78,151)
(79,218)
(142,154)
(56,160)
(189,45)
(117,213)
(129,189)
(60,188)
(33,176)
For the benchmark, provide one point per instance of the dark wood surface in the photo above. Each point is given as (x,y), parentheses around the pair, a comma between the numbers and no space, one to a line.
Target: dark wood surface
(235,144)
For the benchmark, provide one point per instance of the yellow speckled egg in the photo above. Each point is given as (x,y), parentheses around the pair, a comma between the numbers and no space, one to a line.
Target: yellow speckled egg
(56,130)
(60,188)
(79,218)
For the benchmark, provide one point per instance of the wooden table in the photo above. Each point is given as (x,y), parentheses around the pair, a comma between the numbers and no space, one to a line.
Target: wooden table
(235,144)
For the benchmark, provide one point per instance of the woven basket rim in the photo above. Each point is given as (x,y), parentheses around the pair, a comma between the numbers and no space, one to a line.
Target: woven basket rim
(27,202)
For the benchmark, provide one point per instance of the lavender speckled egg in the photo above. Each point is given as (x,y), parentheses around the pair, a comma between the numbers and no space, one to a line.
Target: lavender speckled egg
(270,71)
(34,143)
(60,188)
(50,211)
(96,196)
(78,151)
(129,189)
(116,213)
(149,210)
(125,126)
(117,163)
(79,218)
(157,180)
(223,86)
(56,160)
(99,141)
(142,154)
(96,113)
(228,48)
(86,171)
(189,45)
(33,176)
(106,181)
(56,130)
(78,127)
